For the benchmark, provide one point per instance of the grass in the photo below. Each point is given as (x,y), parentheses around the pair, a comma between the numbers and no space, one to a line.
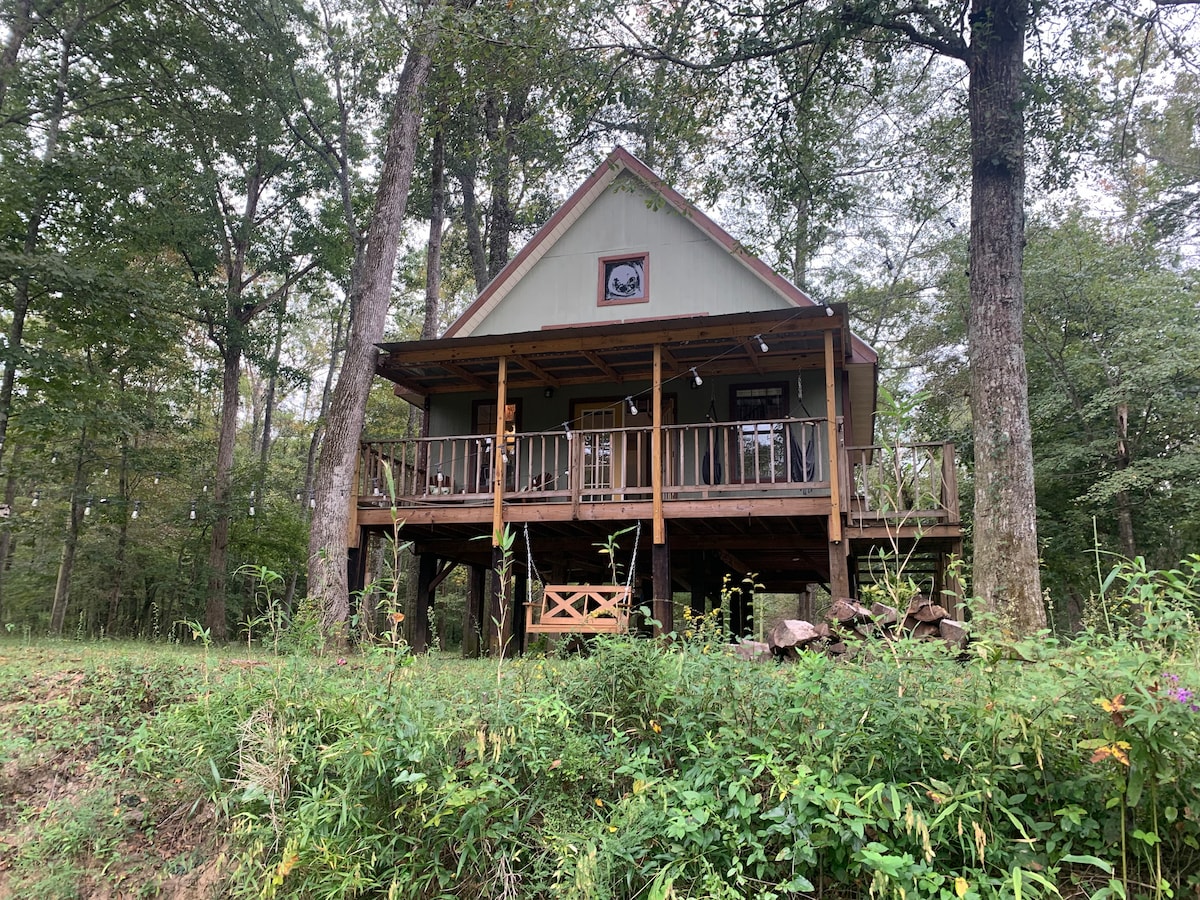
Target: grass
(1039,768)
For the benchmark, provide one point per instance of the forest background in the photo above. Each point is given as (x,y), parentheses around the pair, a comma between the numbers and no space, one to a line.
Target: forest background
(185,191)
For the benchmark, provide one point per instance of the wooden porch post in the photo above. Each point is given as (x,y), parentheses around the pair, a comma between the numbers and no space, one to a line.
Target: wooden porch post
(839,569)
(498,449)
(427,567)
(835,493)
(473,614)
(663,607)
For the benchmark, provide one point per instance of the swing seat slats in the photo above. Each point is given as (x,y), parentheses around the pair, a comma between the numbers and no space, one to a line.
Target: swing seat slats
(580,609)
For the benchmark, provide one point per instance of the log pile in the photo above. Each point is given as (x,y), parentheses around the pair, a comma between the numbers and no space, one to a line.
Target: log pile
(848,624)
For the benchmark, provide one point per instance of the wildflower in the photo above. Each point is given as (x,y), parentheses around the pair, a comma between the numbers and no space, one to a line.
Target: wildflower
(341,661)
(599,802)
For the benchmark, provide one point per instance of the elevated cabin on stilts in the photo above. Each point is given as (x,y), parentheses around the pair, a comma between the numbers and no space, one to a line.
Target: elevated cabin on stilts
(634,366)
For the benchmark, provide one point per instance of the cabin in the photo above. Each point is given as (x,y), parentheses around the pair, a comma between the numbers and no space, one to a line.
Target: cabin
(644,407)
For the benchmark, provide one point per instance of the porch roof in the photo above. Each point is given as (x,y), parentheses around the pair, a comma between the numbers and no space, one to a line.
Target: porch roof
(616,353)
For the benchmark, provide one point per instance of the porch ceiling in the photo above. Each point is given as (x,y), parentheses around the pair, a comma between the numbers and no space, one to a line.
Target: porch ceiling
(623,351)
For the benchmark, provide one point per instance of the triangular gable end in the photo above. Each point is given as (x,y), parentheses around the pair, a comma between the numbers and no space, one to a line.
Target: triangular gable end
(622,212)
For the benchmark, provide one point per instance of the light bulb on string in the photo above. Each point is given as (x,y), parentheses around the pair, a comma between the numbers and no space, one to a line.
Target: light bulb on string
(87,506)
(37,499)
(696,379)
(156,477)
(192,512)
(137,509)
(762,345)
(633,410)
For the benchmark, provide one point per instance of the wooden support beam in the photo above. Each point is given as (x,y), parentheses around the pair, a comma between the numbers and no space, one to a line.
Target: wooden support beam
(538,372)
(839,571)
(472,643)
(498,452)
(427,567)
(473,380)
(596,360)
(835,494)
(448,566)
(663,608)
(656,460)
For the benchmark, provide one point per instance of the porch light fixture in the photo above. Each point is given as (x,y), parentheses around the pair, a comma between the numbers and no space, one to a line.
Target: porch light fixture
(632,406)
(762,345)
(696,379)
(829,311)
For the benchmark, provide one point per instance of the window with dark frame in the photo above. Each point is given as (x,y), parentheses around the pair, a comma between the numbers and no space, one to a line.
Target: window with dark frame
(762,440)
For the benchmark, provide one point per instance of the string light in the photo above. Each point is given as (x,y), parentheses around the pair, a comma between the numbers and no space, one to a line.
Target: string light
(192,511)
(312,499)
(252,504)
(157,475)
(137,509)
(632,406)
(762,345)
(37,499)
(696,379)
(87,506)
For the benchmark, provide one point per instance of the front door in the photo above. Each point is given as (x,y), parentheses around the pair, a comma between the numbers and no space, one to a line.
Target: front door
(603,448)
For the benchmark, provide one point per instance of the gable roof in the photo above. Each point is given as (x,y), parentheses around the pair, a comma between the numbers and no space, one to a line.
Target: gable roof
(619,161)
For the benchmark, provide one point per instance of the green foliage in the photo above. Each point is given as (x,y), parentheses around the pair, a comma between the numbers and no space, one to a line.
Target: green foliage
(647,770)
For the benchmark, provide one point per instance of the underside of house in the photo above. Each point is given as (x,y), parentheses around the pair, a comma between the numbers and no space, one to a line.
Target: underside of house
(725,429)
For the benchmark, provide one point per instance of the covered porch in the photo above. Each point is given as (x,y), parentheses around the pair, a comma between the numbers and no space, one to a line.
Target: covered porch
(794,499)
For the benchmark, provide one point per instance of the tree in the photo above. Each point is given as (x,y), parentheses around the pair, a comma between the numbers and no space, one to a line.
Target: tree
(370,291)
(988,38)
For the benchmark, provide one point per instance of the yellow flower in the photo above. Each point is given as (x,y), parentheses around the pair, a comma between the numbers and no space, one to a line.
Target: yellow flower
(961,886)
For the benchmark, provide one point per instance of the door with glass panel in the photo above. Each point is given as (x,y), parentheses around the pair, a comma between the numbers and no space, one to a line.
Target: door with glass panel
(603,449)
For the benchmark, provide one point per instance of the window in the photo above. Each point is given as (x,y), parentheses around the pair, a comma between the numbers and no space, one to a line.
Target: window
(624,279)
(763,449)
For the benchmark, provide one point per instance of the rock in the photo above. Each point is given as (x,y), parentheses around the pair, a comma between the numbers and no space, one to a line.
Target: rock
(884,614)
(847,611)
(752,650)
(917,602)
(926,630)
(791,633)
(931,613)
(954,633)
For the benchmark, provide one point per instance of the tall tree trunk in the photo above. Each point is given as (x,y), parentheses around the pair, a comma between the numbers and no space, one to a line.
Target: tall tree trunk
(327,548)
(19,27)
(114,600)
(16,328)
(214,608)
(475,248)
(1124,503)
(264,452)
(433,254)
(6,542)
(66,565)
(1005,568)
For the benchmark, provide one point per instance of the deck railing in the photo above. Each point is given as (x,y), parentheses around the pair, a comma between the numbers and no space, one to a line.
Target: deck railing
(710,459)
(903,484)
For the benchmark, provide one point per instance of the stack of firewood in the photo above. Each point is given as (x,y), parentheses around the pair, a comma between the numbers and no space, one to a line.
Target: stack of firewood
(849,623)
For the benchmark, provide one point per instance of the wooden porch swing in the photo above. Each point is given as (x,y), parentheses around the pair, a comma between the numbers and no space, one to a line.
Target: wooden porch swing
(578,608)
